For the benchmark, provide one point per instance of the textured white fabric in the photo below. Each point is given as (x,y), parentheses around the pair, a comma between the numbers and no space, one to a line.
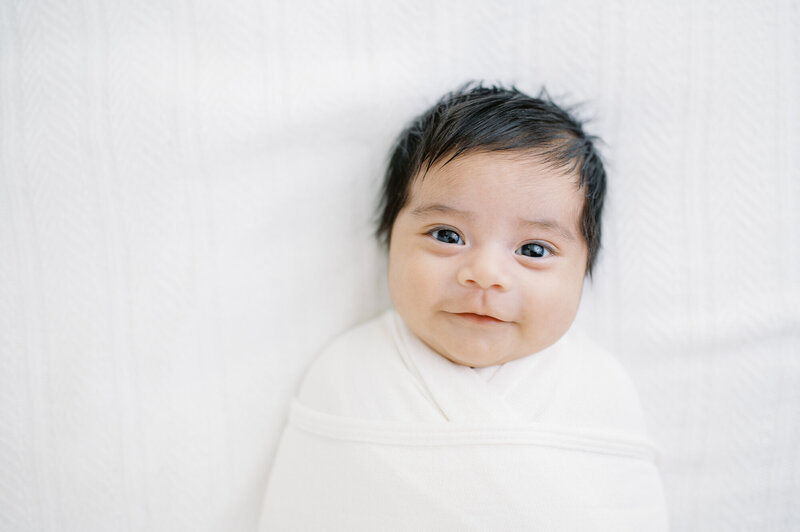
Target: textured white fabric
(387,435)
(185,199)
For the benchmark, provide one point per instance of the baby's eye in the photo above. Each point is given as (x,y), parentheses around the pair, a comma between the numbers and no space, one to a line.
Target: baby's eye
(533,249)
(448,236)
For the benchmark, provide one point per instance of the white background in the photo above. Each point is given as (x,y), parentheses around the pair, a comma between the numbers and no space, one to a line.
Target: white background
(186,193)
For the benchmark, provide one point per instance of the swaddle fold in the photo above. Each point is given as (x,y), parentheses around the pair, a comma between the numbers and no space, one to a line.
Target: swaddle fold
(385,434)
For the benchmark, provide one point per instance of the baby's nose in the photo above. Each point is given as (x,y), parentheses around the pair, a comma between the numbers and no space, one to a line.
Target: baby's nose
(485,268)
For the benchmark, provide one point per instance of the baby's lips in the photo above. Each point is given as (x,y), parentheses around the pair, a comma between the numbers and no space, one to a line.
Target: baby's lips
(480,316)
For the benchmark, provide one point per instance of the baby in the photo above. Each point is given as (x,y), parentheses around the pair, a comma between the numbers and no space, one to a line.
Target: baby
(467,406)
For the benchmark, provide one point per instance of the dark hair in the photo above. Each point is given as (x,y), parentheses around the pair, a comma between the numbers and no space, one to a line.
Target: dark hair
(477,118)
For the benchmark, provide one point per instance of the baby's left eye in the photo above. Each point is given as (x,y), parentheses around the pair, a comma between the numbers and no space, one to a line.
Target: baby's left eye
(534,250)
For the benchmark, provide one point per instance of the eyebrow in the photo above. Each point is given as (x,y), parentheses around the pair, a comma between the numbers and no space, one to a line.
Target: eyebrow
(550,225)
(547,224)
(439,208)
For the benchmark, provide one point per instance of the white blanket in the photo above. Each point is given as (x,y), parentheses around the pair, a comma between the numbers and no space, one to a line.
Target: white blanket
(385,434)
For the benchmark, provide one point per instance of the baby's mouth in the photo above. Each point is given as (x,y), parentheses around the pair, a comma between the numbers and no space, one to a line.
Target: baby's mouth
(478,318)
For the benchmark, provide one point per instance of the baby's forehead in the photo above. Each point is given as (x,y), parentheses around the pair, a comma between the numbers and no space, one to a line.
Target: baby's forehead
(498,183)
(490,165)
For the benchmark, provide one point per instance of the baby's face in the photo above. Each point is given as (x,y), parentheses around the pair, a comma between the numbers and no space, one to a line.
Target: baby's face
(486,261)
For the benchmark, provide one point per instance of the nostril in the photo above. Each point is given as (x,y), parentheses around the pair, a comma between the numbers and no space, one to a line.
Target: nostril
(485,269)
(484,282)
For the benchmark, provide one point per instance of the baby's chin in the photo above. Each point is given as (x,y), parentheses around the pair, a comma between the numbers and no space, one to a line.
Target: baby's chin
(469,355)
(478,361)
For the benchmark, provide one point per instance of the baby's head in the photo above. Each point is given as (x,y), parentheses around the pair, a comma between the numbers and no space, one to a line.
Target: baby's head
(491,209)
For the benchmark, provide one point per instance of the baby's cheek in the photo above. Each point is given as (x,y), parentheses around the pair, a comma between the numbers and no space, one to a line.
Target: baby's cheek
(565,299)
(407,279)
(418,286)
(551,299)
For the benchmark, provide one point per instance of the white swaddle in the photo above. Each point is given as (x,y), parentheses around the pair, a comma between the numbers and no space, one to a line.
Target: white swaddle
(385,434)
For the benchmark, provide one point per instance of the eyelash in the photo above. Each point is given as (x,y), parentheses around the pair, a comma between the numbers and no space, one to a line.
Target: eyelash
(545,249)
(435,230)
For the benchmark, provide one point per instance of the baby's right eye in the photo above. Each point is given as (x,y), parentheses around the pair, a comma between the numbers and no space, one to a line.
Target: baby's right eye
(448,236)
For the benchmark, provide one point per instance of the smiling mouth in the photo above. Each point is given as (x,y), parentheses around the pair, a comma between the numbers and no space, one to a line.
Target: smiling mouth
(478,318)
